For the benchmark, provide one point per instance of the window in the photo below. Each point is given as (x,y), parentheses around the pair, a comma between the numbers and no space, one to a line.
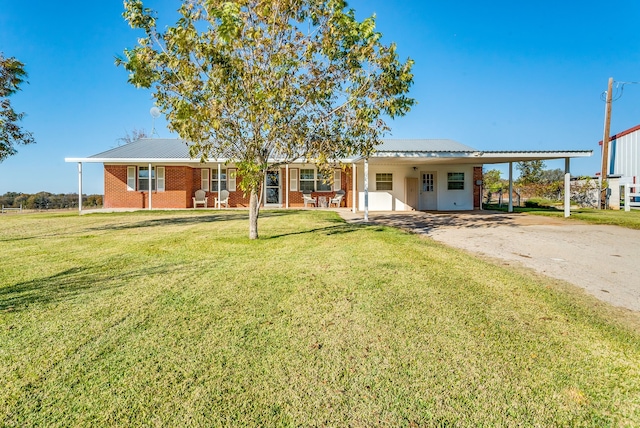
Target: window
(428,181)
(323,182)
(307,180)
(214,179)
(314,181)
(455,180)
(131,178)
(143,178)
(384,181)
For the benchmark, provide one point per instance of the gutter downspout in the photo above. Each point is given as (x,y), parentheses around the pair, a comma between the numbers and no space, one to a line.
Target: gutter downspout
(510,187)
(150,184)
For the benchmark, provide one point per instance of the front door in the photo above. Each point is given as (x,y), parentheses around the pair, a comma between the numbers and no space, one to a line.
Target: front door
(428,193)
(272,188)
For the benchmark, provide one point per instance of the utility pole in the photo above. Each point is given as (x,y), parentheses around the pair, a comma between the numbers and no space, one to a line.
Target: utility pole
(605,139)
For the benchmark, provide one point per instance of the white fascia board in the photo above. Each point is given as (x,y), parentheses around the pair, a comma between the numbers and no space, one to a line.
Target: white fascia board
(399,154)
(140,160)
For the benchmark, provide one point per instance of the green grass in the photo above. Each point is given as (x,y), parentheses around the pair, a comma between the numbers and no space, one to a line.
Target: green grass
(176,319)
(628,219)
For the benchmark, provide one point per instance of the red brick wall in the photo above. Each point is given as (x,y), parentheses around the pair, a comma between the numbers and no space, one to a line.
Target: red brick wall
(477,175)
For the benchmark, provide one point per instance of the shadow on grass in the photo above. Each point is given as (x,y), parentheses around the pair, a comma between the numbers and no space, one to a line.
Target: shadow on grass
(68,284)
(337,229)
(174,220)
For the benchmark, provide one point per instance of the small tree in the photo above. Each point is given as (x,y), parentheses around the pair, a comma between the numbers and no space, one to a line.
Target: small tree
(530,171)
(492,182)
(12,75)
(259,81)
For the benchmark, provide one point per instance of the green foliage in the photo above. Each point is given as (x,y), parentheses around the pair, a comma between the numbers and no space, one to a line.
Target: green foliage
(48,201)
(254,81)
(530,171)
(12,75)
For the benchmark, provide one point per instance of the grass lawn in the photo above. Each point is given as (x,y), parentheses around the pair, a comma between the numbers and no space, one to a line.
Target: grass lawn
(177,319)
(628,219)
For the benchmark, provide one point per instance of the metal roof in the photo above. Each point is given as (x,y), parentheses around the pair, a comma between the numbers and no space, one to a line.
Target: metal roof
(156,148)
(424,145)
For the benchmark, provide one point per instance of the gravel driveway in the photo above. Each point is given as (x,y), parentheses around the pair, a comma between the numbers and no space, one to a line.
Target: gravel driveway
(603,260)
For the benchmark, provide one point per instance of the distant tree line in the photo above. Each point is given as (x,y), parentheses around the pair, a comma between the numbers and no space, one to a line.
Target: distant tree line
(48,201)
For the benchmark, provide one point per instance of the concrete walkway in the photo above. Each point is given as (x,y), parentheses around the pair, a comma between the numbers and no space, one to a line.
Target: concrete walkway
(603,260)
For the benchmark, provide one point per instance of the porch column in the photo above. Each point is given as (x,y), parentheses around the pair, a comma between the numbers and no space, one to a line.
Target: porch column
(286,186)
(79,187)
(150,184)
(219,188)
(510,187)
(354,197)
(567,188)
(366,189)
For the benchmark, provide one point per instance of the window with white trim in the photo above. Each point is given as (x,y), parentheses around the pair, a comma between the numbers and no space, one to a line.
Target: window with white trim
(312,180)
(455,180)
(384,181)
(143,178)
(214,179)
(307,180)
(323,182)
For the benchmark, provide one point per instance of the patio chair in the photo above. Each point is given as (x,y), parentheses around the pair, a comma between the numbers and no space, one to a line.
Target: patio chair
(308,200)
(224,199)
(337,199)
(200,198)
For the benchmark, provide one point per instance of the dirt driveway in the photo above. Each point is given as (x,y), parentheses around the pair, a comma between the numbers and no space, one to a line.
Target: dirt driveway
(603,260)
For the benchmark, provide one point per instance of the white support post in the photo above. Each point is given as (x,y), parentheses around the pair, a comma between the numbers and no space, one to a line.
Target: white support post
(510,187)
(286,186)
(79,188)
(627,198)
(366,189)
(219,188)
(354,196)
(150,184)
(567,188)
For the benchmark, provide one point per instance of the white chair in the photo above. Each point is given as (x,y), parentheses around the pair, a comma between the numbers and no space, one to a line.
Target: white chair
(222,199)
(337,199)
(200,199)
(308,200)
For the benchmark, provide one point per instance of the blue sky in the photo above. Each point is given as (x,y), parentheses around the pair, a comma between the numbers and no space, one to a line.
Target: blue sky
(494,75)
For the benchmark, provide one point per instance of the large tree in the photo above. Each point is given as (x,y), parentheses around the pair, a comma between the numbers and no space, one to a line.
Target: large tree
(530,171)
(267,82)
(12,75)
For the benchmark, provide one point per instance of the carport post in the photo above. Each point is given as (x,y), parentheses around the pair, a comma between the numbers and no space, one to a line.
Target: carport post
(567,188)
(510,187)
(79,187)
(366,189)
(150,187)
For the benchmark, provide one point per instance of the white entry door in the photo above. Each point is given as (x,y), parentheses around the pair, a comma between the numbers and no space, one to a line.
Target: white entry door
(272,188)
(428,191)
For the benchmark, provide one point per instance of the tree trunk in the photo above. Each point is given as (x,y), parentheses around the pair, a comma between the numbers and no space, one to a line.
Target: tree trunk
(254,211)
